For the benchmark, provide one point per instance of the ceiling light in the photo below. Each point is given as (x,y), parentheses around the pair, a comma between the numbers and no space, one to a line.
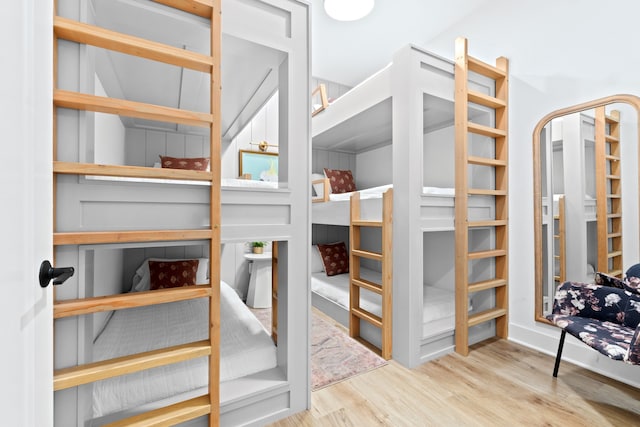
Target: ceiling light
(348,10)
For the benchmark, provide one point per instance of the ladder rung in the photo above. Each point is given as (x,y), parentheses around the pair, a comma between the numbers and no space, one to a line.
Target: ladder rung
(612,157)
(99,237)
(613,196)
(490,223)
(614,235)
(485,69)
(615,273)
(203,8)
(366,223)
(614,215)
(80,32)
(483,192)
(123,107)
(611,138)
(370,346)
(487,254)
(613,176)
(486,100)
(556,256)
(614,254)
(365,284)
(84,374)
(486,284)
(485,130)
(611,119)
(77,307)
(366,254)
(129,171)
(487,315)
(367,316)
(168,415)
(485,161)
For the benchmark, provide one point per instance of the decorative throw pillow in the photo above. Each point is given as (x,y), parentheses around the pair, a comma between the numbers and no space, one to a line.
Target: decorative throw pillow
(632,279)
(173,274)
(190,163)
(341,181)
(317,266)
(335,258)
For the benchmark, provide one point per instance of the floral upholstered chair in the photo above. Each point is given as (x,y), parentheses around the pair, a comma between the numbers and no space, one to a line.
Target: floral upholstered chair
(605,316)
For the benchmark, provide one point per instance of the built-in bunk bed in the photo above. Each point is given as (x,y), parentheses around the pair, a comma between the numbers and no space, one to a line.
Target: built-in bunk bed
(592,240)
(120,214)
(396,129)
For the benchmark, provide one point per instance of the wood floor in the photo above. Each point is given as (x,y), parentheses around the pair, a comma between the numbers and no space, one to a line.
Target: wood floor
(498,384)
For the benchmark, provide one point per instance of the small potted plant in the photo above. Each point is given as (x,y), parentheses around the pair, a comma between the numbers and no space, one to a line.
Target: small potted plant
(258,247)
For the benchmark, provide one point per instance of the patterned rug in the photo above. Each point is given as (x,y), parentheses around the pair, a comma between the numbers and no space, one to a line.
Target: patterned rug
(334,355)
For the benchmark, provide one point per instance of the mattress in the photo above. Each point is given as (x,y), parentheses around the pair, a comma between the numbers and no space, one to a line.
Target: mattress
(438,314)
(245,348)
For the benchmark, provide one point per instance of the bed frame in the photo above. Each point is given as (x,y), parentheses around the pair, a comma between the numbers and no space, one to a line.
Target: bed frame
(411,97)
(109,212)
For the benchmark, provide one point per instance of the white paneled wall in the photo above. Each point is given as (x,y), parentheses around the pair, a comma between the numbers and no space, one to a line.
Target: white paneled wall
(109,133)
(263,127)
(144,146)
(334,90)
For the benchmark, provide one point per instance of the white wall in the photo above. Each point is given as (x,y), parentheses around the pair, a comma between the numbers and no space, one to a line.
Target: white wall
(109,135)
(263,127)
(561,53)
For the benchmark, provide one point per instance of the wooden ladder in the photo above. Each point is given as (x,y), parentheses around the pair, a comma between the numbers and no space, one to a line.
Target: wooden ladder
(463,96)
(608,192)
(82,33)
(384,289)
(560,236)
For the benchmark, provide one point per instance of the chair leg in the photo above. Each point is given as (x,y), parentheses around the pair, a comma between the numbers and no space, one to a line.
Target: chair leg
(559,355)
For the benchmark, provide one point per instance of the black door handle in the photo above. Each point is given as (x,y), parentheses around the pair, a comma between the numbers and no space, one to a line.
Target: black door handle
(59,275)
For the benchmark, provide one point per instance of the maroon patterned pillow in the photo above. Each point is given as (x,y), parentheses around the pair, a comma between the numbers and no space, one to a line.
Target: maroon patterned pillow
(335,258)
(341,181)
(172,274)
(190,163)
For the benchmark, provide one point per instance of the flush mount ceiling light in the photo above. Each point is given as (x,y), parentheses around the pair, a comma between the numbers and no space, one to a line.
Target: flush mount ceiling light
(348,10)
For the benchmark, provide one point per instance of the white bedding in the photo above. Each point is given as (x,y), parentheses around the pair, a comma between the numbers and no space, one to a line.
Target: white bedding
(226,182)
(245,348)
(438,304)
(376,192)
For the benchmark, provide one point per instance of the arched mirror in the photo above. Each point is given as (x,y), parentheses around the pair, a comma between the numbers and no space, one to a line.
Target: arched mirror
(579,186)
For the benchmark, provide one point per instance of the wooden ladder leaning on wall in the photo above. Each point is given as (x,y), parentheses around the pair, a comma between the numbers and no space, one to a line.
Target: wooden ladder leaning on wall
(608,192)
(463,96)
(81,33)
(560,236)
(384,289)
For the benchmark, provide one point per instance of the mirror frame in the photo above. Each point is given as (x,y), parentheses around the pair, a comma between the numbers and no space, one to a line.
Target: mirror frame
(632,100)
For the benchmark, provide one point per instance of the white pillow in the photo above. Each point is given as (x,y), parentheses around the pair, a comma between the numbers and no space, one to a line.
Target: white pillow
(319,188)
(317,266)
(142,280)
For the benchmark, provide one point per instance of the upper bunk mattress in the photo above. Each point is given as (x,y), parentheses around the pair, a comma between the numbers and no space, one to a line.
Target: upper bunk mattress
(245,348)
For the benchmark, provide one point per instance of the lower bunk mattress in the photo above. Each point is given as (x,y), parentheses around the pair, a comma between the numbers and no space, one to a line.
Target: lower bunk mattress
(438,304)
(245,348)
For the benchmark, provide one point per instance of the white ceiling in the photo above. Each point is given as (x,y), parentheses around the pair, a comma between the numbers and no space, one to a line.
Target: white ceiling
(349,52)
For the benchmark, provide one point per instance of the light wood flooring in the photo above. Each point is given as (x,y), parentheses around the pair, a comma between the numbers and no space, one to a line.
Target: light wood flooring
(498,384)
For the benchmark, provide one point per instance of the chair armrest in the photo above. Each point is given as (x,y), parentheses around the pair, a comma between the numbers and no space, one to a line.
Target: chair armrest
(590,301)
(633,355)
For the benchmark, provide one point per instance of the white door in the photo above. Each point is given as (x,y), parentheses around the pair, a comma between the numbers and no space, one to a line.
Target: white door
(26,359)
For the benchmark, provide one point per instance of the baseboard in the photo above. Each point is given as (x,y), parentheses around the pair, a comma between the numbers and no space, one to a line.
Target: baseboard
(544,338)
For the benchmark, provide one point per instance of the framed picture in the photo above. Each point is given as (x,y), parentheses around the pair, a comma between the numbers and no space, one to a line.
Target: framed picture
(261,166)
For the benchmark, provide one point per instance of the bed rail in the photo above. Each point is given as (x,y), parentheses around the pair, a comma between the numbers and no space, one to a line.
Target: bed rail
(608,192)
(463,227)
(384,289)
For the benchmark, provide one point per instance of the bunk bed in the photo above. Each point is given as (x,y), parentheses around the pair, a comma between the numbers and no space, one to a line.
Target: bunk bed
(398,111)
(245,349)
(122,203)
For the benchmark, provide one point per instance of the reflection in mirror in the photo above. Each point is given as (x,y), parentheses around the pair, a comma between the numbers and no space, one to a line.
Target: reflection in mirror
(578,194)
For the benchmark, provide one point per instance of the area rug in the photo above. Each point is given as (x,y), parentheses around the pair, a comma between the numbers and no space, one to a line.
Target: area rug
(335,356)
